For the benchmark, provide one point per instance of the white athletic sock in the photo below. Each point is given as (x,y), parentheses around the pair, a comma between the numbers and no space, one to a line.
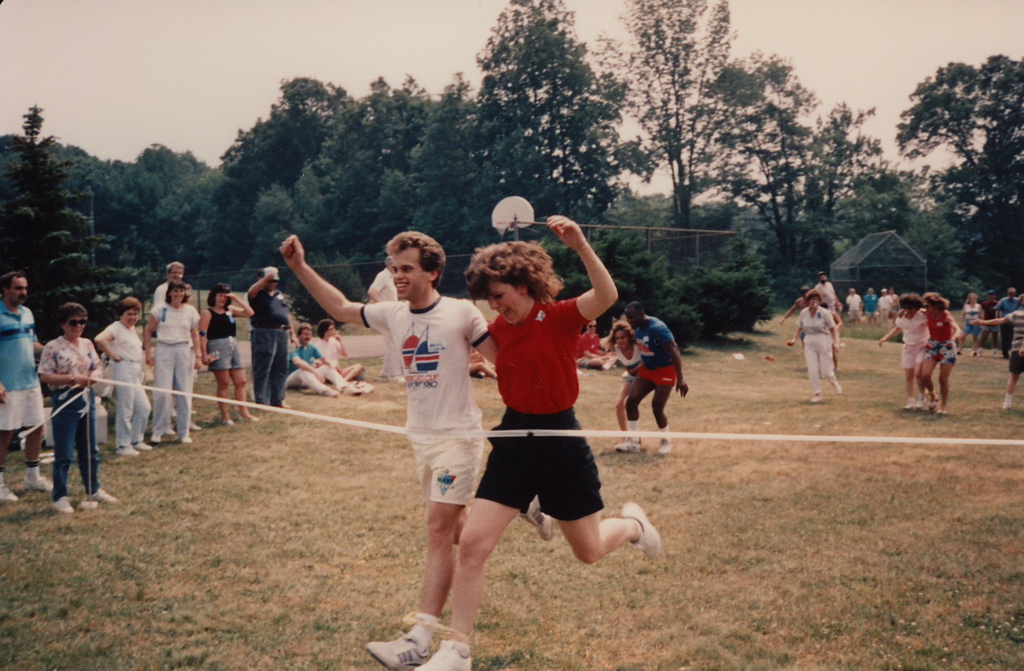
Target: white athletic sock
(423,634)
(32,473)
(633,426)
(1008,400)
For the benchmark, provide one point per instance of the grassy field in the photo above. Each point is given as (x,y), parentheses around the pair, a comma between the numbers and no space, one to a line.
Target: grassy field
(290,543)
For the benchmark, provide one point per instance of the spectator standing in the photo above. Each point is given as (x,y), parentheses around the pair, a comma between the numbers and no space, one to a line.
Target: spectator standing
(21,396)
(871,307)
(854,305)
(122,345)
(970,317)
(885,303)
(220,354)
(988,314)
(177,356)
(175,273)
(270,332)
(1004,308)
(70,365)
(383,290)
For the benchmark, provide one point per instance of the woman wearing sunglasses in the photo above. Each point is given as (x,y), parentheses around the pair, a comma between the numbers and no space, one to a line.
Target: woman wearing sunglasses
(70,365)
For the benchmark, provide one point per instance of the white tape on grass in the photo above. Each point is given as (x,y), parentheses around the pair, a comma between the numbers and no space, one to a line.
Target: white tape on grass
(682,435)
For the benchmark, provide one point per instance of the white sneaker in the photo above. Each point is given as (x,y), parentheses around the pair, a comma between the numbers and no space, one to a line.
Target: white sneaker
(911,404)
(330,393)
(398,655)
(836,385)
(63,505)
(103,497)
(1007,406)
(227,422)
(186,440)
(649,540)
(920,402)
(451,656)
(629,445)
(816,398)
(126,451)
(155,439)
(665,447)
(544,525)
(192,426)
(142,447)
(38,484)
(6,495)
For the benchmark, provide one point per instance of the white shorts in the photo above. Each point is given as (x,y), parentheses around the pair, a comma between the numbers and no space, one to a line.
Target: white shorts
(913,355)
(23,409)
(448,469)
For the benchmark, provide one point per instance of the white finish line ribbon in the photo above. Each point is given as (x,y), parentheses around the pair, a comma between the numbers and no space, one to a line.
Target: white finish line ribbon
(687,435)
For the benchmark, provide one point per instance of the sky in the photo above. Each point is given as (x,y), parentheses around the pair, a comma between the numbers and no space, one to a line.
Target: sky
(115,76)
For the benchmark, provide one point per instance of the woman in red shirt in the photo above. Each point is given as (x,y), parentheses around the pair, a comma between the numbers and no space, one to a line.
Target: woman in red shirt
(536,339)
(943,332)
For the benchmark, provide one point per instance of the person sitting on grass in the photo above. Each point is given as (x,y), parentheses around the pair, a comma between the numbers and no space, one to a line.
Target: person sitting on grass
(333,350)
(589,353)
(308,370)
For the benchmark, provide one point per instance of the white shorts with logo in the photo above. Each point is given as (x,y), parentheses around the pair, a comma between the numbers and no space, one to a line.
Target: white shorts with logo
(913,354)
(24,408)
(448,469)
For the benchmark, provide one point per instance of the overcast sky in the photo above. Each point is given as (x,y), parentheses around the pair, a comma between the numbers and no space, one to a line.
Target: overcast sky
(114,76)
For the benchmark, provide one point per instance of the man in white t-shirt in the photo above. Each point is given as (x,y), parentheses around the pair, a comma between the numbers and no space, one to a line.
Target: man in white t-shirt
(175,273)
(885,305)
(434,335)
(854,305)
(383,290)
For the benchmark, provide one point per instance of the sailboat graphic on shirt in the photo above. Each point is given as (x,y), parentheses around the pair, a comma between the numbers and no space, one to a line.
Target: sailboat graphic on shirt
(418,356)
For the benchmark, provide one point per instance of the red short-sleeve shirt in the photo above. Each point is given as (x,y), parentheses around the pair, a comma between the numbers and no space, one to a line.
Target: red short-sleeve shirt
(537,358)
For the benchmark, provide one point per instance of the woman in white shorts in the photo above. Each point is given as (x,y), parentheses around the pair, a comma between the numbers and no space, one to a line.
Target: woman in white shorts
(220,354)
(912,322)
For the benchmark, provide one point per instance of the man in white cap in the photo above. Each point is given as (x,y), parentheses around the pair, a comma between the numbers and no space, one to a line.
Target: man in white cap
(270,334)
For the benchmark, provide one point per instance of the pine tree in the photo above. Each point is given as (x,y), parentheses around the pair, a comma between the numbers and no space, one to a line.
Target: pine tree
(43,236)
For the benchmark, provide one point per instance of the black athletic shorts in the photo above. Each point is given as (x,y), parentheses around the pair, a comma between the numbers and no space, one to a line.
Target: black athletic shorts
(560,470)
(1016,363)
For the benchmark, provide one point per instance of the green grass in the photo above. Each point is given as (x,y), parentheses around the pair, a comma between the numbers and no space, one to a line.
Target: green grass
(289,544)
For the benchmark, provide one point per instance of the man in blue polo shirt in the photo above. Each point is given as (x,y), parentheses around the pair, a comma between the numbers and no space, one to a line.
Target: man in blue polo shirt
(661,371)
(1004,308)
(21,396)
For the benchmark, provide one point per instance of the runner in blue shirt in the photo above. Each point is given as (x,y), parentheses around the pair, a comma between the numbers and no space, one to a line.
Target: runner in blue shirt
(661,371)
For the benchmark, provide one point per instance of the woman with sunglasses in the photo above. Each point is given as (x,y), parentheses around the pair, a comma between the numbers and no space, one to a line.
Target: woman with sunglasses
(70,365)
(588,351)
(176,326)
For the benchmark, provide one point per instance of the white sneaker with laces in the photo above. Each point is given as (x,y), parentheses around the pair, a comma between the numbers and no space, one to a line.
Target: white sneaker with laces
(142,447)
(816,398)
(192,426)
(1007,406)
(126,451)
(38,484)
(186,440)
(629,445)
(63,505)
(6,495)
(451,656)
(649,540)
(665,447)
(155,439)
(399,655)
(103,497)
(544,525)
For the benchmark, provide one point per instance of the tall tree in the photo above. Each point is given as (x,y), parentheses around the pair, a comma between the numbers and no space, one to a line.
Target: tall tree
(679,49)
(548,121)
(976,114)
(770,149)
(41,234)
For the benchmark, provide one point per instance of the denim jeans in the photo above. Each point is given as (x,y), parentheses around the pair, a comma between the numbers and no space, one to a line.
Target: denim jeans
(269,365)
(74,430)
(132,403)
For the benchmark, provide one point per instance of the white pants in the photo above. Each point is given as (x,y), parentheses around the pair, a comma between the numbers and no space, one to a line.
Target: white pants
(132,403)
(175,365)
(818,354)
(300,379)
